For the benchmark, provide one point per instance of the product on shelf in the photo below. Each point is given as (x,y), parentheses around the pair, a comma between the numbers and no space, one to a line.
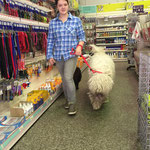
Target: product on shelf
(8,126)
(36,98)
(21,109)
(13,121)
(24,10)
(89,28)
(11,88)
(44,94)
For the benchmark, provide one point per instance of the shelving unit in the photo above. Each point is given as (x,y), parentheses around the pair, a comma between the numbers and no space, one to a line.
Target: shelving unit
(111,32)
(89,28)
(109,44)
(132,44)
(110,36)
(5,105)
(112,25)
(19,132)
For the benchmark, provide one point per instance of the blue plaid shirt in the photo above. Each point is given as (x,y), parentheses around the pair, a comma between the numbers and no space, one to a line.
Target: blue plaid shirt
(62,37)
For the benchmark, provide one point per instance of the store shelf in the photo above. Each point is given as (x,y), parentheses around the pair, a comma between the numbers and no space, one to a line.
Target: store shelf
(117,50)
(120,59)
(112,25)
(33,5)
(19,132)
(108,44)
(16,135)
(36,59)
(99,31)
(13,19)
(105,37)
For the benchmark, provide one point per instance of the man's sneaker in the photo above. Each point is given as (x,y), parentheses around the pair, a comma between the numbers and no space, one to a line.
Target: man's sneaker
(66,105)
(72,109)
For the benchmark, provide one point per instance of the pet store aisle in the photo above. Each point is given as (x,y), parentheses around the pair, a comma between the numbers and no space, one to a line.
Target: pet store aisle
(114,127)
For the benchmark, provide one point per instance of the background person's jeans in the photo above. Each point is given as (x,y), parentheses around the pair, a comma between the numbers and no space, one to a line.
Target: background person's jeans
(67,69)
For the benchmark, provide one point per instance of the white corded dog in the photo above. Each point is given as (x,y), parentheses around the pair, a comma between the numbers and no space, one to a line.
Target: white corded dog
(100,84)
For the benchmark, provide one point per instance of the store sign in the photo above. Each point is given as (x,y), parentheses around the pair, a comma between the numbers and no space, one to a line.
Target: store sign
(111,7)
(88,9)
(115,7)
(130,5)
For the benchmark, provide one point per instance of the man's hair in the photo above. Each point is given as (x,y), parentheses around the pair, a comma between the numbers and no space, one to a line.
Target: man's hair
(56,2)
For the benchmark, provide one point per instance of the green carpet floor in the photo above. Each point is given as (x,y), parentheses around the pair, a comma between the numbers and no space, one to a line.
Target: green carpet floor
(114,127)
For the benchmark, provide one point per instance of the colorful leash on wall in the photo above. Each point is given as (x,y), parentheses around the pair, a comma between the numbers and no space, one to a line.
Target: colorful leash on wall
(73,52)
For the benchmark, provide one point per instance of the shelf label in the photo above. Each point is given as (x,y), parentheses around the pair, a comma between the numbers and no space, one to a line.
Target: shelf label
(26,123)
(44,105)
(37,112)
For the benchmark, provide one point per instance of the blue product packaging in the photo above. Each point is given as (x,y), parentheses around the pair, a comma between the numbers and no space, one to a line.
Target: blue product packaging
(13,121)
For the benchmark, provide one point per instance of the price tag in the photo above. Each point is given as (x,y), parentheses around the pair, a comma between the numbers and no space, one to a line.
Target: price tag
(1,92)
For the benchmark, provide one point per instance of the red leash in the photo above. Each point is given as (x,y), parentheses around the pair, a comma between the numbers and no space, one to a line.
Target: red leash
(73,53)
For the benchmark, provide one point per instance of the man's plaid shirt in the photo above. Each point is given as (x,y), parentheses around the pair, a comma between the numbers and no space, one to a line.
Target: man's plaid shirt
(62,37)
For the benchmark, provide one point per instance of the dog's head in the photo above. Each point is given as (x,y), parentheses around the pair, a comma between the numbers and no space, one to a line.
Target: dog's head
(97,49)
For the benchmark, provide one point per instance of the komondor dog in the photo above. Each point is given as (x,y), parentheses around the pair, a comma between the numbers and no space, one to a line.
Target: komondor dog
(100,84)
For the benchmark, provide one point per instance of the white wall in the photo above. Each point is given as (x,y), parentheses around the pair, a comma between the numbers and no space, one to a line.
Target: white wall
(98,2)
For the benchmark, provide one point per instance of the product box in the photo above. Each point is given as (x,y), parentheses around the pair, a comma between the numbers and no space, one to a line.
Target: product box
(43,93)
(16,111)
(37,97)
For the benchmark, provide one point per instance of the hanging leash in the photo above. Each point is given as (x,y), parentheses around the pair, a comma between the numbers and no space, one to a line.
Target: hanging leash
(73,52)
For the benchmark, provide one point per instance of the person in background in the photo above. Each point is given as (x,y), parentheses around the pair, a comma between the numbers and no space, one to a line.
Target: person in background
(65,32)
